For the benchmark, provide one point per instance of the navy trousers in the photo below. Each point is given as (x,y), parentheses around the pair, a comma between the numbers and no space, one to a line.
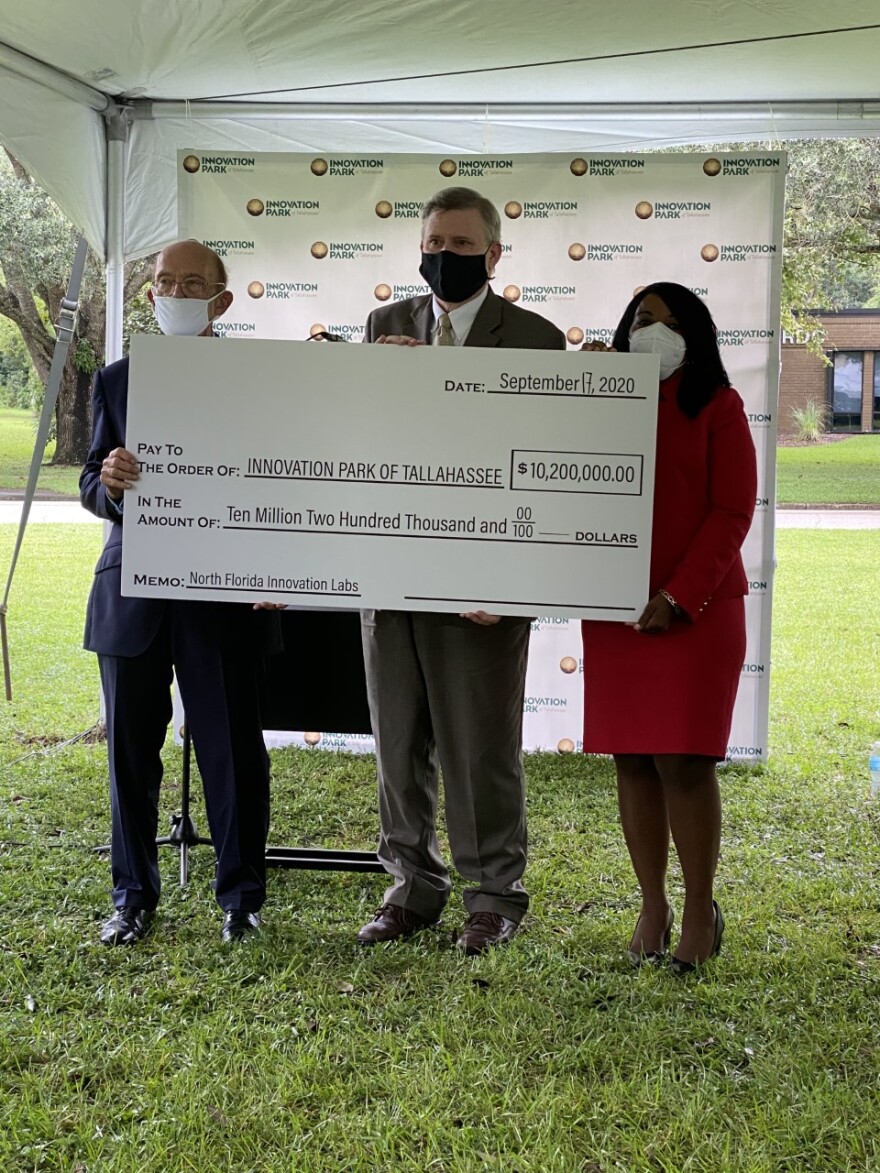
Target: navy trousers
(219,687)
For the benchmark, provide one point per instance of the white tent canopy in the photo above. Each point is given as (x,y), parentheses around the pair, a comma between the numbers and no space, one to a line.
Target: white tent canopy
(96,97)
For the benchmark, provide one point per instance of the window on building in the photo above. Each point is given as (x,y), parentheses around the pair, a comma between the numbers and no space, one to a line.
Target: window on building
(875,414)
(845,387)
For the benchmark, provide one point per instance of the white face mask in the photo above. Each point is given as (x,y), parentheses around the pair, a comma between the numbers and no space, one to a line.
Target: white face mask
(660,340)
(187,316)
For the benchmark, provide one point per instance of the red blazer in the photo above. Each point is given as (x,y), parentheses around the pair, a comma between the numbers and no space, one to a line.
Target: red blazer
(704,498)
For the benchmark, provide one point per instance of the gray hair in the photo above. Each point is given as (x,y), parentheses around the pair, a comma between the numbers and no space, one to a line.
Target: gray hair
(457,199)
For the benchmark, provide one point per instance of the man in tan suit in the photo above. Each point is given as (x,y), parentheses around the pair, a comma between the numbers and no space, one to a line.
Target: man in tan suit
(446,691)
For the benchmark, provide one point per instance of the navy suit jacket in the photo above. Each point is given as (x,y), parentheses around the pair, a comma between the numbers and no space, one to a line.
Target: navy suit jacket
(117,626)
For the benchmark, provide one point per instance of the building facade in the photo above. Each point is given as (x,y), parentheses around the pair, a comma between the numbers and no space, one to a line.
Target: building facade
(849,388)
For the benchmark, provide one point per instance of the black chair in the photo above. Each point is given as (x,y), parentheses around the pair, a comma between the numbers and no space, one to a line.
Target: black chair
(318,683)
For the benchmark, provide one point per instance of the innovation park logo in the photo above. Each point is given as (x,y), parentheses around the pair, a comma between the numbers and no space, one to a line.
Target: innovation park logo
(608,165)
(348,331)
(258,207)
(594,333)
(352,331)
(568,745)
(744,337)
(540,293)
(545,704)
(600,251)
(752,669)
(227,248)
(550,621)
(282,290)
(399,209)
(672,209)
(226,329)
(386,292)
(742,165)
(346,250)
(347,167)
(217,164)
(735,752)
(737,252)
(540,209)
(474,168)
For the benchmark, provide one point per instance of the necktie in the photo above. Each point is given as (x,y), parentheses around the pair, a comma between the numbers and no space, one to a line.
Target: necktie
(445,335)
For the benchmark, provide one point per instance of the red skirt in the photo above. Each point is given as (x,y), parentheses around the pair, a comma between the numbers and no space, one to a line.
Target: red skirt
(671,693)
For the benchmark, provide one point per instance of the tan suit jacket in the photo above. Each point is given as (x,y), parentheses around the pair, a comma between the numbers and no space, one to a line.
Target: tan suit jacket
(498,323)
(444,691)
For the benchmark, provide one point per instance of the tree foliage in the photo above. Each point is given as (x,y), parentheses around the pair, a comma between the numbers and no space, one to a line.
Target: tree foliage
(37,244)
(19,384)
(831,258)
(831,234)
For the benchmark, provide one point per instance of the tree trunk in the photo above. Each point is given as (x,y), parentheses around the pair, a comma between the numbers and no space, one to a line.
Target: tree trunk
(73,413)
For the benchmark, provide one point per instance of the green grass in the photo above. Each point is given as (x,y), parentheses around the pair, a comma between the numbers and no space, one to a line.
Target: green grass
(845,472)
(17,437)
(305,1053)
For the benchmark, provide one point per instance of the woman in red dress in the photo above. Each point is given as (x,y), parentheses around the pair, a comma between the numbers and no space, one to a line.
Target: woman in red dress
(659,693)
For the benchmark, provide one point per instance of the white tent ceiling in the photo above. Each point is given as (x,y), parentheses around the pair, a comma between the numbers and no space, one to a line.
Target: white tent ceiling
(385,75)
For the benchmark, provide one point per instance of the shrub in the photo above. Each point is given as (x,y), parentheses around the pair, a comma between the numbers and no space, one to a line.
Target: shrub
(811,420)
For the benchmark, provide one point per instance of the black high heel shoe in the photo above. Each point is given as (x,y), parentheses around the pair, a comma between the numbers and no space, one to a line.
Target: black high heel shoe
(680,968)
(639,959)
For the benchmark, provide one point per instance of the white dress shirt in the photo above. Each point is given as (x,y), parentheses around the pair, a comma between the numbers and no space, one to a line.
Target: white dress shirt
(462,317)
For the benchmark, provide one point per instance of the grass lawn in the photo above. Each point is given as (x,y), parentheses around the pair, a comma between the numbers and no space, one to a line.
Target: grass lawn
(17,436)
(844,472)
(303,1052)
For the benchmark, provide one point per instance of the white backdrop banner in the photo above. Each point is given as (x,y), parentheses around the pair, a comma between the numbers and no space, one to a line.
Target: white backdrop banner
(315,242)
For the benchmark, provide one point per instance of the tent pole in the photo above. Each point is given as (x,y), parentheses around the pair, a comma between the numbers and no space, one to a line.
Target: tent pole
(62,83)
(863,109)
(116,125)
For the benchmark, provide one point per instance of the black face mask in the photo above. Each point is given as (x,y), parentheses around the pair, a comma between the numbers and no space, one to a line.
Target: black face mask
(454,277)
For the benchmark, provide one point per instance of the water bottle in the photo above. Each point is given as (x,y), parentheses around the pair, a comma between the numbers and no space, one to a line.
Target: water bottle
(874,767)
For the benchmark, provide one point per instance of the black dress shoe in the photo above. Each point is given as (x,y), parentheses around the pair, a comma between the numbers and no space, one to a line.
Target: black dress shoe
(482,930)
(658,956)
(238,924)
(126,926)
(680,968)
(392,923)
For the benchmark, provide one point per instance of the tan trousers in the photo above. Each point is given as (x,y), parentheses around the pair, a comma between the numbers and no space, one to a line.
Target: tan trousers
(447,694)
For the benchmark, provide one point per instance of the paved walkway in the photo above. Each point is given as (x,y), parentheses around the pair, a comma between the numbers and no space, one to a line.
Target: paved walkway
(828,519)
(46,511)
(72,511)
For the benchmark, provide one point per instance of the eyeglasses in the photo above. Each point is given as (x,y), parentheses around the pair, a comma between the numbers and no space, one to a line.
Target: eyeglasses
(191,286)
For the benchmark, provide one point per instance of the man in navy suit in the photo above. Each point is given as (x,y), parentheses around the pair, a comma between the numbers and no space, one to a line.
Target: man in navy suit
(216,649)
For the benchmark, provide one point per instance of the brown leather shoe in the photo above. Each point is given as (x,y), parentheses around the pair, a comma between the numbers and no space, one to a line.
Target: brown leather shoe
(482,930)
(392,923)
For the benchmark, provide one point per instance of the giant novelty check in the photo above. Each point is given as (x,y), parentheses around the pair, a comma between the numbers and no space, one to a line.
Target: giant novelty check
(518,482)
